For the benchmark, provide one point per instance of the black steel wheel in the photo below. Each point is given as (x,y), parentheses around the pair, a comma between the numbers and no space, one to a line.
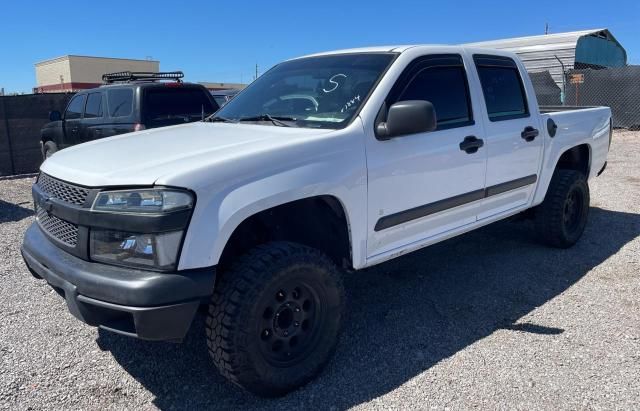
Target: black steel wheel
(292,316)
(275,318)
(562,216)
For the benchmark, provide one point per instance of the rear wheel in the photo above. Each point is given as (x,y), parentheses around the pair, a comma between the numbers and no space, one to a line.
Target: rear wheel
(274,319)
(48,149)
(562,216)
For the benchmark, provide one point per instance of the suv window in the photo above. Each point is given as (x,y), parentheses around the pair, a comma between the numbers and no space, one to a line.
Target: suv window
(93,108)
(166,103)
(74,109)
(120,102)
(502,87)
(446,88)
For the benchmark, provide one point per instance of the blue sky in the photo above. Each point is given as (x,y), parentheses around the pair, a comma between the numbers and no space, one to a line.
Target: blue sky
(222,41)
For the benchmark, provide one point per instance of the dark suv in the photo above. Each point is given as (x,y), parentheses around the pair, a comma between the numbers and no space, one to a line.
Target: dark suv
(127,102)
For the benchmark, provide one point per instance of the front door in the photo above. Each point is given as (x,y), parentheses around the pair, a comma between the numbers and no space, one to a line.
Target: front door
(73,119)
(425,184)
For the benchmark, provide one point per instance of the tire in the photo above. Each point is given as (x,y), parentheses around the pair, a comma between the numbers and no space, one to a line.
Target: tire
(48,149)
(561,218)
(275,318)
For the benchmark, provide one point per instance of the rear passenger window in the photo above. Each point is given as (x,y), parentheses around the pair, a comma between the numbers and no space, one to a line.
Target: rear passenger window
(120,102)
(74,109)
(446,88)
(93,108)
(502,88)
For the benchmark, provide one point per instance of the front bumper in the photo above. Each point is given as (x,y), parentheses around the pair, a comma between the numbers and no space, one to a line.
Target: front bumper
(143,304)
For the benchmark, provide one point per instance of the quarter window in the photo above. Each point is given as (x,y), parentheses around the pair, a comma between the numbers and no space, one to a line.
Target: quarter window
(120,102)
(74,109)
(93,108)
(502,88)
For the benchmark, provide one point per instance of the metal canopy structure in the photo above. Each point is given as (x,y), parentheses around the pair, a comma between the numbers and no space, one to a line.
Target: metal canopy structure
(596,48)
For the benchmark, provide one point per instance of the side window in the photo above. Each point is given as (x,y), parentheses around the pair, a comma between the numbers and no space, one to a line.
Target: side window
(446,88)
(93,108)
(74,109)
(442,80)
(502,88)
(120,102)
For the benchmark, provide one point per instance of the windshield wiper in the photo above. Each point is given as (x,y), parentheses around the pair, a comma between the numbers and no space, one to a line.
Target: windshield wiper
(276,120)
(214,119)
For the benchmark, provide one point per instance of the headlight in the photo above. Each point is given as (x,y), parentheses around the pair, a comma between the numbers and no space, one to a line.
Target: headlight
(159,200)
(155,251)
(131,247)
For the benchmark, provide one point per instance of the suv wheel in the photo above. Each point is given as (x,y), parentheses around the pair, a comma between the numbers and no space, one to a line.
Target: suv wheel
(275,318)
(48,149)
(562,216)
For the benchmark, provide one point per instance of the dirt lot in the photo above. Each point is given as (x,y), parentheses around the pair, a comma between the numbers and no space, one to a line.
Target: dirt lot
(490,319)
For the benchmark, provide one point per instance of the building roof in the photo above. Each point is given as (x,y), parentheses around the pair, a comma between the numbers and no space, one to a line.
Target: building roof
(540,53)
(68,56)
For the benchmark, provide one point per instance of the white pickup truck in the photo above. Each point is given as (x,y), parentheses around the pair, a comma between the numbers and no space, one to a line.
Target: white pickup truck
(330,162)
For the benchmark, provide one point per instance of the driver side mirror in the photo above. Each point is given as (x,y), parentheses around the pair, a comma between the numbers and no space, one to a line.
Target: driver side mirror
(55,115)
(407,117)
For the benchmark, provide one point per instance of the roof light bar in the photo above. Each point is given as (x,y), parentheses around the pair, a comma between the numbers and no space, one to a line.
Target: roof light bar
(126,76)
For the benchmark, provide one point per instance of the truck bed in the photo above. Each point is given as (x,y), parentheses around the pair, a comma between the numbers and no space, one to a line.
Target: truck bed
(556,109)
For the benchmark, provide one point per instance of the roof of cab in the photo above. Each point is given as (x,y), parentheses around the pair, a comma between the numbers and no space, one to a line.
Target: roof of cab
(405,47)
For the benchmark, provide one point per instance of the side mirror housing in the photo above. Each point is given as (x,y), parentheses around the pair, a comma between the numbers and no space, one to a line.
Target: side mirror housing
(407,117)
(55,115)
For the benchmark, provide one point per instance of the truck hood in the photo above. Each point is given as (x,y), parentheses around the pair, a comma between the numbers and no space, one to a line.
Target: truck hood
(158,155)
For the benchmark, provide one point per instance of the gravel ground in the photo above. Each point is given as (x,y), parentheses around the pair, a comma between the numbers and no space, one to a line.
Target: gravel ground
(490,319)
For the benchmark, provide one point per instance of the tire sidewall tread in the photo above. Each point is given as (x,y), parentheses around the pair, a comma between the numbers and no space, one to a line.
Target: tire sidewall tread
(233,346)
(549,219)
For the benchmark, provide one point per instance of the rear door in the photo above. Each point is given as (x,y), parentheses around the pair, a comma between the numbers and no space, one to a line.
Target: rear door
(120,113)
(425,184)
(73,120)
(514,143)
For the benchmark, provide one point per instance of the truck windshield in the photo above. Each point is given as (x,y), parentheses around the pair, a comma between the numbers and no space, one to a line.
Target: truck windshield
(317,92)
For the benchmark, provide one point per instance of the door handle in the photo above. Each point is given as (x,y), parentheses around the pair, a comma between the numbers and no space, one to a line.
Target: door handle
(74,130)
(529,134)
(471,144)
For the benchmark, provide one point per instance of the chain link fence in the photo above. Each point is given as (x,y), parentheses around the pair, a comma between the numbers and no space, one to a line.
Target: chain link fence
(618,88)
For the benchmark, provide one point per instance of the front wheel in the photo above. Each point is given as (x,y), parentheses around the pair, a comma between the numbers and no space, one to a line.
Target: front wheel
(275,318)
(561,218)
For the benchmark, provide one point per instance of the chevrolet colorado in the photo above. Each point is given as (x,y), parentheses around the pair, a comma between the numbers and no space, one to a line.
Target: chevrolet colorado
(329,162)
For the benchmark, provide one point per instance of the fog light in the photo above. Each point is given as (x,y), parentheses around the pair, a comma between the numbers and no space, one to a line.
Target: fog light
(154,251)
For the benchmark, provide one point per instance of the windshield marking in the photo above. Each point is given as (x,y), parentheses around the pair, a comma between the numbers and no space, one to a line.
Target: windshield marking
(335,83)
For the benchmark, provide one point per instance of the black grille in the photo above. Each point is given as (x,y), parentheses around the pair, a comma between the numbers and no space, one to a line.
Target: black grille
(62,191)
(60,229)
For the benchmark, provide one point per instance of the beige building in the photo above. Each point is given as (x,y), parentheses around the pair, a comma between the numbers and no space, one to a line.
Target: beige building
(72,73)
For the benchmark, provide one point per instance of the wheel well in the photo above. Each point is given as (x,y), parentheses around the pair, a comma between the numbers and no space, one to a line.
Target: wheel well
(576,158)
(317,222)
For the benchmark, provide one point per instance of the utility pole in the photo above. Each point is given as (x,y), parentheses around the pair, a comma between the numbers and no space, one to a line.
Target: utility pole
(546,28)
(256,77)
